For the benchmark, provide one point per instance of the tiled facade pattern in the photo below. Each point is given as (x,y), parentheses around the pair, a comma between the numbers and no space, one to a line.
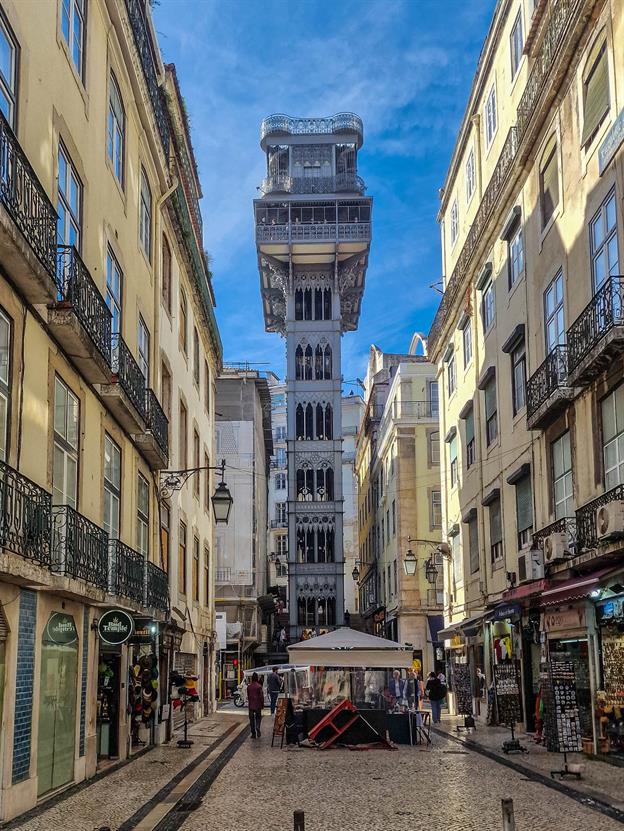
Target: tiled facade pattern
(24,685)
(83,683)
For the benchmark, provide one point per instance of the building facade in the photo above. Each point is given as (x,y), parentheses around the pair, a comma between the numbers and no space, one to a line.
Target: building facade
(88,164)
(352,411)
(527,343)
(313,232)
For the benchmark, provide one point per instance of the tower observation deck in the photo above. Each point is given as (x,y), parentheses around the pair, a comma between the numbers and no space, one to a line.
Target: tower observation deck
(313,235)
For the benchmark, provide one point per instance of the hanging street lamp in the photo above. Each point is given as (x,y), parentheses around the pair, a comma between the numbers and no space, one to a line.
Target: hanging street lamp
(222,501)
(410,561)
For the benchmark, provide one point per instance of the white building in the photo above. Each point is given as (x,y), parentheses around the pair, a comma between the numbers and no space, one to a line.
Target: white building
(352,414)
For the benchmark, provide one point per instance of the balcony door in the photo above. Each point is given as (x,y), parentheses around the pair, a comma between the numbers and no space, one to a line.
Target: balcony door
(603,241)
(66,433)
(114,286)
(554,314)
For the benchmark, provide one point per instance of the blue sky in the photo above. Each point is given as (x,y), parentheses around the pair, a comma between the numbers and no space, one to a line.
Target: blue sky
(404,67)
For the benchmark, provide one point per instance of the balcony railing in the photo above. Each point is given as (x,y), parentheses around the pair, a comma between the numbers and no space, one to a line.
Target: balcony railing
(285,125)
(223,575)
(25,516)
(138,23)
(302,232)
(586,518)
(604,312)
(550,376)
(129,375)
(76,289)
(156,587)
(79,547)
(489,201)
(127,571)
(282,183)
(565,525)
(156,421)
(25,199)
(279,523)
(560,12)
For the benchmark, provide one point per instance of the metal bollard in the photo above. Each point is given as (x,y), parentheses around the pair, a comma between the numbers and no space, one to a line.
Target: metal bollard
(509,822)
(299,818)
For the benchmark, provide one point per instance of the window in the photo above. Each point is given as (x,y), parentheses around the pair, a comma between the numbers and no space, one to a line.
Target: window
(166,274)
(470,176)
(434,448)
(613,438)
(516,44)
(73,13)
(491,415)
(280,433)
(595,92)
(383,533)
(8,73)
(206,484)
(280,481)
(393,518)
(491,116)
(143,345)
(549,182)
(396,577)
(183,437)
(451,376)
(182,559)
(563,489)
(457,559)
(5,380)
(69,203)
(470,439)
(183,323)
(143,516)
(496,532)
(206,386)
(432,389)
(195,356)
(518,377)
(165,390)
(115,139)
(280,455)
(165,530)
(206,575)
(145,216)
(467,341)
(66,438)
(454,222)
(554,318)
(281,514)
(112,487)
(488,307)
(516,258)
(453,459)
(436,509)
(196,463)
(388,525)
(524,511)
(473,542)
(603,240)
(195,569)
(114,285)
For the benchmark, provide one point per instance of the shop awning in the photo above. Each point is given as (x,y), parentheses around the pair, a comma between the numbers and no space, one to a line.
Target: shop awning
(346,647)
(526,590)
(576,588)
(467,626)
(436,624)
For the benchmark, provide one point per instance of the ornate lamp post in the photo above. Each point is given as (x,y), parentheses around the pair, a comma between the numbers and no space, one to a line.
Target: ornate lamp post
(356,571)
(173,480)
(410,562)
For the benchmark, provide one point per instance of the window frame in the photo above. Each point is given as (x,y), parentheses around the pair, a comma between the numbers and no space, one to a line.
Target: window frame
(515,47)
(65,446)
(467,344)
(70,213)
(451,376)
(490,112)
(10,86)
(113,489)
(518,382)
(515,254)
(487,306)
(116,131)
(558,307)
(196,461)
(196,358)
(143,349)
(166,277)
(182,577)
(470,175)
(183,323)
(601,216)
(599,51)
(114,290)
(524,534)
(73,7)
(453,461)
(146,208)
(491,420)
(497,553)
(454,222)
(549,155)
(435,508)
(614,440)
(143,516)
(565,477)
(6,383)
(195,569)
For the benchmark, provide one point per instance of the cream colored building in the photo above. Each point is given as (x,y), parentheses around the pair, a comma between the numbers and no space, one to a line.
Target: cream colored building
(88,168)
(527,341)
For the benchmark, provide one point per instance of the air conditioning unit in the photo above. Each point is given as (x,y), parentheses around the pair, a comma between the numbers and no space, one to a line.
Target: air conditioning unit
(556,547)
(610,520)
(530,566)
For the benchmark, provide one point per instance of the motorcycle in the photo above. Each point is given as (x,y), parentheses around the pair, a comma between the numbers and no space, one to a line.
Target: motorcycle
(238,697)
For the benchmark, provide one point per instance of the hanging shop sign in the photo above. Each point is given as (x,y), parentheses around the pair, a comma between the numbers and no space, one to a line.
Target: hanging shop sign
(611,143)
(566,619)
(611,610)
(145,630)
(115,627)
(506,610)
(61,629)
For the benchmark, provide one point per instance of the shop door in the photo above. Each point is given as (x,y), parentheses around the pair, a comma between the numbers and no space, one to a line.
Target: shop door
(57,715)
(108,706)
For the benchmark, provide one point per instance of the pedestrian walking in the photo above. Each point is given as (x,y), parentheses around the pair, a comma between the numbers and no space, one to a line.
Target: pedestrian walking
(255,701)
(436,693)
(274,685)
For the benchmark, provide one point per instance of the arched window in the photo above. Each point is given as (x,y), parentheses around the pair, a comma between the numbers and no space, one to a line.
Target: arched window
(321,547)
(299,423)
(318,304)
(327,362)
(307,304)
(309,545)
(321,607)
(324,484)
(309,422)
(301,611)
(300,545)
(298,304)
(308,363)
(327,309)
(299,374)
(320,432)
(305,484)
(329,427)
(329,546)
(318,362)
(310,610)
(331,611)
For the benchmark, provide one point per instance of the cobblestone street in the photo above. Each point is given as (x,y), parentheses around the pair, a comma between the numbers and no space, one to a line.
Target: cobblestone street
(259,787)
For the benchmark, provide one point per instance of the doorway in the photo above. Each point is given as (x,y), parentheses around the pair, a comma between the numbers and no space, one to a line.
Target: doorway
(109,670)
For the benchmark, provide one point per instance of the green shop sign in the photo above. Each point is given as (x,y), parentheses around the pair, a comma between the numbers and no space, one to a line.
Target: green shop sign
(60,629)
(115,627)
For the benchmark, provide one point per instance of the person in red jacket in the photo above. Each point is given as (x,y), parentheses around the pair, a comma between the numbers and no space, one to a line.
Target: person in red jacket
(255,702)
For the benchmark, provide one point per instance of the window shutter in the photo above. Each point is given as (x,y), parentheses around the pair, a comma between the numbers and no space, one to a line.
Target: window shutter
(473,533)
(490,399)
(550,184)
(4,626)
(496,534)
(596,91)
(524,506)
(453,448)
(470,427)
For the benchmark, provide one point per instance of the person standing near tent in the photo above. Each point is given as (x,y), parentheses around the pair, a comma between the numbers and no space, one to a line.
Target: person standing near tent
(274,684)
(255,701)
(436,692)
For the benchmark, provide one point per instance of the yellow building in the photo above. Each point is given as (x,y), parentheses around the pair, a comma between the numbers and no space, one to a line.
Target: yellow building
(527,340)
(97,191)
(399,504)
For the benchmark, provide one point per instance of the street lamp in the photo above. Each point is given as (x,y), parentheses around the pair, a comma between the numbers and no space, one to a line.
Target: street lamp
(409,563)
(173,480)
(431,571)
(356,571)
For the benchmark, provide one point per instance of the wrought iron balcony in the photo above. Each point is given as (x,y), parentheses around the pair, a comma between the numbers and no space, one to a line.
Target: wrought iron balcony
(565,525)
(79,547)
(282,183)
(154,443)
(28,206)
(548,389)
(279,523)
(127,571)
(156,587)
(597,334)
(142,40)
(223,575)
(125,396)
(80,319)
(25,516)
(491,196)
(280,124)
(314,232)
(587,533)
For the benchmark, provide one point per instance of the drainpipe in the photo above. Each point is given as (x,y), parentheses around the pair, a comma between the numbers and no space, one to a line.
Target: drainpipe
(476,122)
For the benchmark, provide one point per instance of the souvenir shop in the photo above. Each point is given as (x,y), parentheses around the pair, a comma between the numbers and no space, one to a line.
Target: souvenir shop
(610,696)
(115,628)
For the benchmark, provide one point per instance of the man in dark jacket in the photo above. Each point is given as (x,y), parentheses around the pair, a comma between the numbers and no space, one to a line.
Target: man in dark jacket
(436,692)
(274,685)
(255,702)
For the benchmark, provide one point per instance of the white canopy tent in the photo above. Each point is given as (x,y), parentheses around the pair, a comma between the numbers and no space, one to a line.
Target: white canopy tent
(346,647)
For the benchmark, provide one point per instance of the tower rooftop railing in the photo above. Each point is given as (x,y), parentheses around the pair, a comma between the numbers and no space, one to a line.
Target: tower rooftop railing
(281,125)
